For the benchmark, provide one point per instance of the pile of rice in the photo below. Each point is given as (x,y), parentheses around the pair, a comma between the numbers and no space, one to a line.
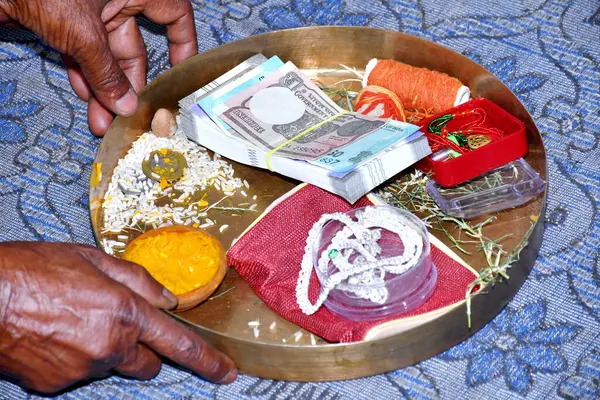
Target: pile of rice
(130,198)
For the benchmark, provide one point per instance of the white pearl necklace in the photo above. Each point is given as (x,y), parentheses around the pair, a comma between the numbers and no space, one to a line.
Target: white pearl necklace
(366,268)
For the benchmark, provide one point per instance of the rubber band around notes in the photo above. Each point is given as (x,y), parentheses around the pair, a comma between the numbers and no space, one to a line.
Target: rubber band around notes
(298,136)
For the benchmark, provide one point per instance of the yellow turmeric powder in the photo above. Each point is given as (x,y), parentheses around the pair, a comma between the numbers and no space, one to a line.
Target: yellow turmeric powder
(181,261)
(163,183)
(96,176)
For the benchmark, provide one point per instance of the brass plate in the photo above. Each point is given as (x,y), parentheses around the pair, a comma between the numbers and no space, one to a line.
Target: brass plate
(223,321)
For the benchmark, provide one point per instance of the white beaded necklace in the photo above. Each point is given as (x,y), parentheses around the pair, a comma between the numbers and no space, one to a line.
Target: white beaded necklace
(366,268)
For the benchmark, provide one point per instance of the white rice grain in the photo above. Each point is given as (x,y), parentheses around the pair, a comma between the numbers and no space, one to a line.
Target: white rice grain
(297,336)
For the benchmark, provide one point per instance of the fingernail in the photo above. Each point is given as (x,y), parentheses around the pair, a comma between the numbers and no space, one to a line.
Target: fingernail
(230,377)
(171,297)
(127,105)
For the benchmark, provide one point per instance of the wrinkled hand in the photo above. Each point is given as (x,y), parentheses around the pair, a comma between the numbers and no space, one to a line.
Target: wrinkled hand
(102,45)
(70,312)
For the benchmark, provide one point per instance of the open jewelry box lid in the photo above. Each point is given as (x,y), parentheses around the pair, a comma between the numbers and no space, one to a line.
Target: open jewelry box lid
(511,185)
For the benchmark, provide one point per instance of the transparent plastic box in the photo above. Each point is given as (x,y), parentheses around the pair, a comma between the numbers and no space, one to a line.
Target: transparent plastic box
(406,291)
(511,185)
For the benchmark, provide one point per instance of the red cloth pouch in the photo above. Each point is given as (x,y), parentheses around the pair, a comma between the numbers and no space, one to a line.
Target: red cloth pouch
(268,256)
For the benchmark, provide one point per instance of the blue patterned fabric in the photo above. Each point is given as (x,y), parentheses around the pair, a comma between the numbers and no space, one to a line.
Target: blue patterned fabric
(543,345)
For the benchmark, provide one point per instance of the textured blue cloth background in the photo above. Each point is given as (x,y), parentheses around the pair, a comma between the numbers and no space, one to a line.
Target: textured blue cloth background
(543,345)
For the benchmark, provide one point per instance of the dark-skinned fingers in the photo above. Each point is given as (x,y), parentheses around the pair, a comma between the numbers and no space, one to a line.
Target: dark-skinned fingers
(29,378)
(181,345)
(100,374)
(42,386)
(99,117)
(91,51)
(127,45)
(7,21)
(113,9)
(78,82)
(133,276)
(178,16)
(54,379)
(141,363)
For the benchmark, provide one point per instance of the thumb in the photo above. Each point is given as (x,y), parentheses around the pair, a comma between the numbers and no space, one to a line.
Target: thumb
(107,80)
(133,276)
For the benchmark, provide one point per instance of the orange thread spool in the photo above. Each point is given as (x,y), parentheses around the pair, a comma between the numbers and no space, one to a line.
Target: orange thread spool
(418,88)
(379,102)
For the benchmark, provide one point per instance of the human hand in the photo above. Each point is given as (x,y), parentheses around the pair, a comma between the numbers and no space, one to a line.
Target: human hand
(102,45)
(70,312)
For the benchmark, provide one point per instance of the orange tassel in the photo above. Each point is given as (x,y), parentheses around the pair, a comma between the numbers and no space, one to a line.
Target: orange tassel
(379,102)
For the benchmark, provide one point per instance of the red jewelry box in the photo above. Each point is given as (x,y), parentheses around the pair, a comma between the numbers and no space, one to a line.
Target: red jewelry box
(511,146)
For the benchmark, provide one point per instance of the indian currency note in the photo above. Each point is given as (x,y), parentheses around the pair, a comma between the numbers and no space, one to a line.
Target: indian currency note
(290,104)
(231,75)
(196,125)
(229,90)
(336,141)
(357,141)
(342,143)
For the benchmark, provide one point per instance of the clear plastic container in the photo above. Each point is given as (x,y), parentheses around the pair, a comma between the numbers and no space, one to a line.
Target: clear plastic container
(405,292)
(511,185)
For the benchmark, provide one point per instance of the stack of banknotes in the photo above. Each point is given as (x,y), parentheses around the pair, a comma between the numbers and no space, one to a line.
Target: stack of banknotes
(268,114)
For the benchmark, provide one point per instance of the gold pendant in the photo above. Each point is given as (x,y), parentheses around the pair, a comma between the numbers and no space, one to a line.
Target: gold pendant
(477,141)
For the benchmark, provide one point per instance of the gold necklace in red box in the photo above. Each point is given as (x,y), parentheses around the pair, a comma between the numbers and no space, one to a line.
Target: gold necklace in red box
(470,136)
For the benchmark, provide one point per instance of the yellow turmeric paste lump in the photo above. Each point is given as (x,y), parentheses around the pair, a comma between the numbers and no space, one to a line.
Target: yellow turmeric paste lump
(180,260)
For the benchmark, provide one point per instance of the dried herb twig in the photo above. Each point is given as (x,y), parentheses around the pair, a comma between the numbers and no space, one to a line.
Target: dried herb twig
(222,293)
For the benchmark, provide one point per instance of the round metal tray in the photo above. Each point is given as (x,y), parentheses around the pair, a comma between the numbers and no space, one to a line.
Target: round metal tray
(223,321)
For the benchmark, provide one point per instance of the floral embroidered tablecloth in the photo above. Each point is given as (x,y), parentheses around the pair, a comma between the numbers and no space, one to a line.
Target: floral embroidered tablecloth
(543,345)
